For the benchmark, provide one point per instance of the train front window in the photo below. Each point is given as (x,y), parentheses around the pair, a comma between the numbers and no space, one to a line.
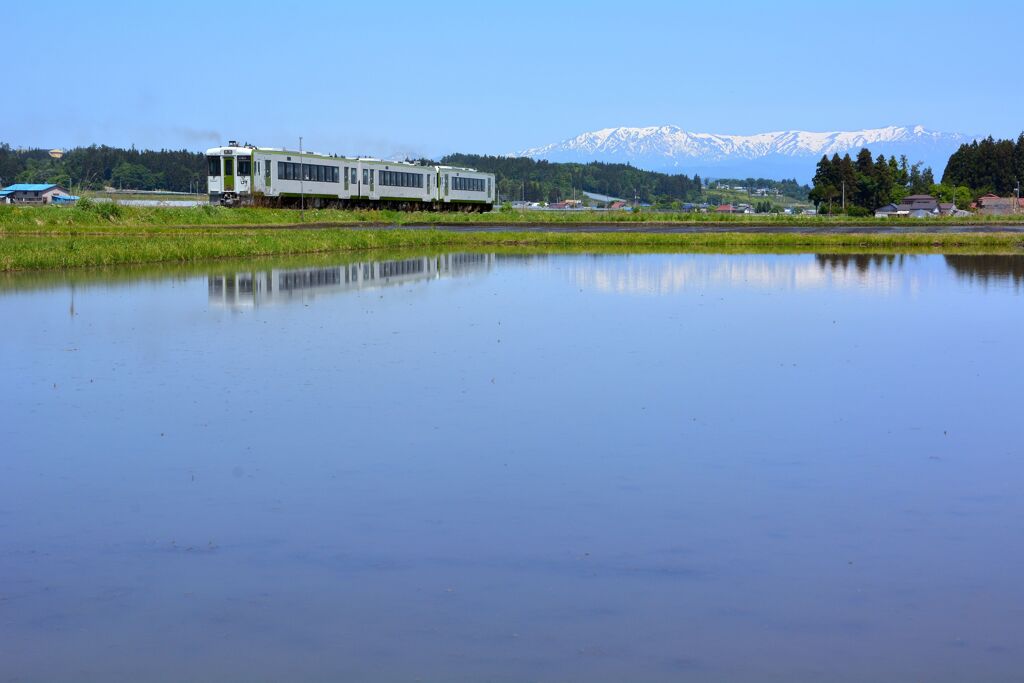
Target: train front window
(214,163)
(229,167)
(244,165)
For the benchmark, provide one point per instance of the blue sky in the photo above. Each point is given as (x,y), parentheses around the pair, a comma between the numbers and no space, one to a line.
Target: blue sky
(391,77)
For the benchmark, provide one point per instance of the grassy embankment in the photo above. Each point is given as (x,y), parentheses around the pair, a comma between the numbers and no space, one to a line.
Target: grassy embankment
(41,238)
(105,215)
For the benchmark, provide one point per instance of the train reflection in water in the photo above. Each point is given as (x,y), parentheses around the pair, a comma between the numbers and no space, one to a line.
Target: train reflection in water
(283,285)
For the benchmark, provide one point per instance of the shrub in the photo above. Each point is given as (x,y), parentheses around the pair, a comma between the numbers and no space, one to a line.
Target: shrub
(107,210)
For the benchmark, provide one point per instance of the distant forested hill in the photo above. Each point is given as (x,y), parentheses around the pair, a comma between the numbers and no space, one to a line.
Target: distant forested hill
(522,178)
(787,188)
(98,166)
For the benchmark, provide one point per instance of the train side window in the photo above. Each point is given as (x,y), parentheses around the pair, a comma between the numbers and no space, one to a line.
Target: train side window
(366,176)
(354,175)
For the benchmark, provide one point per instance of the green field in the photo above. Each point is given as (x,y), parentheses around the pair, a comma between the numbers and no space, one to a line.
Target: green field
(47,219)
(129,246)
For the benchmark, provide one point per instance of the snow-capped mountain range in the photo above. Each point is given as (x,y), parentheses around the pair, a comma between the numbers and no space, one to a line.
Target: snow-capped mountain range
(791,153)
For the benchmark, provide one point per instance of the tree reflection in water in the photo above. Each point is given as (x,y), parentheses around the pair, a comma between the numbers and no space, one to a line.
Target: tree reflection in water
(988,269)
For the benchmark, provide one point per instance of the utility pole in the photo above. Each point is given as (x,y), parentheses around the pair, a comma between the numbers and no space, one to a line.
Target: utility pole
(302,186)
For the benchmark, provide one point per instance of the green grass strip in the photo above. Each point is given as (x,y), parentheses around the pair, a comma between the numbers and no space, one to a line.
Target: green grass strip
(109,216)
(76,249)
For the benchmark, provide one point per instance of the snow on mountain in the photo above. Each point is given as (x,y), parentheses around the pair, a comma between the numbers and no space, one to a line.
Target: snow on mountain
(670,148)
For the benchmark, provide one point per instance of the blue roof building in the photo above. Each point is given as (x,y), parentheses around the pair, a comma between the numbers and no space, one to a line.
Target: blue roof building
(35,193)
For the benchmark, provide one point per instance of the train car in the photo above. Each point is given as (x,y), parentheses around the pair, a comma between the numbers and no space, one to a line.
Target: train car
(247,175)
(464,187)
(399,185)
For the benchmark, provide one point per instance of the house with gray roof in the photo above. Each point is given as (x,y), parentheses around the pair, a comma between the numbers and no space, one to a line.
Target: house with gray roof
(914,206)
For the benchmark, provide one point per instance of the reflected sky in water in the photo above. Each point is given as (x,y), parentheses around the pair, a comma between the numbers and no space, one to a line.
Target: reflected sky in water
(498,467)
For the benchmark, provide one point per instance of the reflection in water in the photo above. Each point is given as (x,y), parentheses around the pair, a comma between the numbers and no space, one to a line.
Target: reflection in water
(256,288)
(668,275)
(508,477)
(989,269)
(861,263)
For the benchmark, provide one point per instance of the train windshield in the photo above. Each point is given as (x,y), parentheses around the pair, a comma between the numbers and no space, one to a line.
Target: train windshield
(214,163)
(244,165)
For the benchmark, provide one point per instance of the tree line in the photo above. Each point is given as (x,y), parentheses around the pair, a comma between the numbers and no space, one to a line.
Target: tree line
(531,180)
(96,167)
(987,166)
(866,183)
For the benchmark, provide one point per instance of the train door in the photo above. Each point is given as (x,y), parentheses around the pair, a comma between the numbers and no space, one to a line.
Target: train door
(243,173)
(229,174)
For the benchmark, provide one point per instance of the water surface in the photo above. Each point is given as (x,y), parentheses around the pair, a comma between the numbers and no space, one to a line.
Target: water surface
(492,467)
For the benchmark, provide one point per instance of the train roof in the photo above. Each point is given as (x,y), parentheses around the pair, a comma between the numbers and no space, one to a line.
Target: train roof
(461,168)
(236,149)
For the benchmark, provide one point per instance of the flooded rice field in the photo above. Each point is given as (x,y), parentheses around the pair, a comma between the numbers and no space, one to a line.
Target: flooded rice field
(500,467)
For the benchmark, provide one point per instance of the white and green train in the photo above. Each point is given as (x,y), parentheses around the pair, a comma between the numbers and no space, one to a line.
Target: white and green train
(245,175)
